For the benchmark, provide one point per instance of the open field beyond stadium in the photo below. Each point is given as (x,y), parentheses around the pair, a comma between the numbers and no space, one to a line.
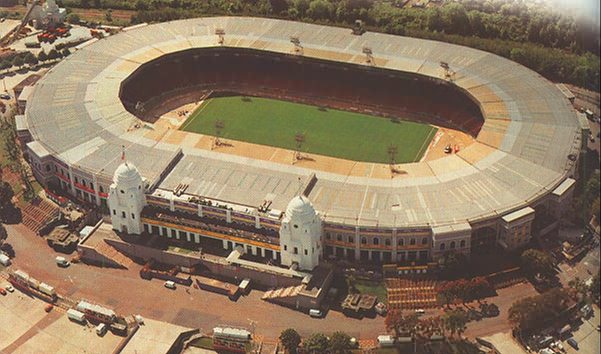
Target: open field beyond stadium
(329,132)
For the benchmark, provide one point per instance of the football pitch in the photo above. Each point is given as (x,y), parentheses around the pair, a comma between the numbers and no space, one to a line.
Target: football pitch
(329,132)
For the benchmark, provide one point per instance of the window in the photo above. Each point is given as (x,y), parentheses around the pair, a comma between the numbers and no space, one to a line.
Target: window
(339,237)
(375,241)
(295,226)
(295,250)
(328,236)
(285,247)
(47,168)
(123,214)
(91,185)
(133,216)
(452,245)
(424,241)
(76,180)
(387,242)
(173,233)
(351,239)
(442,246)
(462,243)
(306,252)
(363,241)
(401,242)
(122,191)
(101,189)
(114,212)
(412,242)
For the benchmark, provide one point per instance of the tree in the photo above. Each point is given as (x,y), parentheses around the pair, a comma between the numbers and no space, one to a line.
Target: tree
(340,343)
(6,196)
(320,9)
(18,61)
(535,312)
(66,52)
(108,15)
(73,18)
(397,323)
(537,262)
(53,54)
(290,340)
(42,56)
(3,233)
(5,65)
(317,343)
(595,287)
(455,321)
(30,59)
(452,264)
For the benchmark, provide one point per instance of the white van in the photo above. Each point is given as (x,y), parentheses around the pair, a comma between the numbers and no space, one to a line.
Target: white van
(315,313)
(62,261)
(101,329)
(170,284)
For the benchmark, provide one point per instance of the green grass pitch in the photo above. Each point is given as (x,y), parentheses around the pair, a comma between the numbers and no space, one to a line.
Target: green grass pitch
(329,132)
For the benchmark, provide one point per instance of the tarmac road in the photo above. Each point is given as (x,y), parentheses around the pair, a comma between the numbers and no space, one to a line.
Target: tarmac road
(126,293)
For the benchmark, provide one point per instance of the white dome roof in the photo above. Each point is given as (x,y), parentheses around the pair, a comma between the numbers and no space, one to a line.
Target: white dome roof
(128,174)
(300,206)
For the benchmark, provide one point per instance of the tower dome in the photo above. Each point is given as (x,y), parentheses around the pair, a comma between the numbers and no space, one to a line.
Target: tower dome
(127,174)
(300,207)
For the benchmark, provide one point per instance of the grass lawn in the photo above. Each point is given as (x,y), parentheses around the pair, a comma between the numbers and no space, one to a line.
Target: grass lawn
(372,288)
(335,133)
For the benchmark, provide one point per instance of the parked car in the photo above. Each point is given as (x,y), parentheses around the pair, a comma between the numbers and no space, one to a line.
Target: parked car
(315,313)
(2,292)
(10,288)
(170,284)
(572,342)
(5,96)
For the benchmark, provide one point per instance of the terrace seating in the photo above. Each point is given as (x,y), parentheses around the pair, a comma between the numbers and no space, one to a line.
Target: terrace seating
(405,294)
(306,81)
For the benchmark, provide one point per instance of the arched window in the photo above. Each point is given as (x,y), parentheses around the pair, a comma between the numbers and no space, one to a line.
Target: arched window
(424,241)
(363,241)
(462,243)
(412,242)
(401,242)
(376,241)
(387,242)
(452,245)
(442,246)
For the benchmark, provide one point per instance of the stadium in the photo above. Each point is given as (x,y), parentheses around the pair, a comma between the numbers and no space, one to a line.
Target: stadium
(380,196)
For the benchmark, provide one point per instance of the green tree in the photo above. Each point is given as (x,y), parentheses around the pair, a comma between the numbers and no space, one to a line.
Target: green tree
(18,61)
(30,59)
(42,56)
(6,197)
(340,343)
(320,9)
(317,343)
(73,18)
(3,233)
(595,288)
(537,262)
(5,65)
(53,54)
(108,15)
(290,340)
(65,52)
(455,321)
(537,311)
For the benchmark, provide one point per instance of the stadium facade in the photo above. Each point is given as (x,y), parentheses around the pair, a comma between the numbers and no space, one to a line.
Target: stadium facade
(516,177)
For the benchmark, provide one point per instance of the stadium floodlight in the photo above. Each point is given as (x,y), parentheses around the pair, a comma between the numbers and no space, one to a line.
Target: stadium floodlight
(300,139)
(219,125)
(298,48)
(368,55)
(448,73)
(221,33)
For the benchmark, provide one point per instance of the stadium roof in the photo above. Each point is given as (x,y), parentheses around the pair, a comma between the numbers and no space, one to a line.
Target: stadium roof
(520,155)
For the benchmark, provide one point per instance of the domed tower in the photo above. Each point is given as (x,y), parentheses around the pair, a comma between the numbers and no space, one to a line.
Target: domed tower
(126,199)
(300,234)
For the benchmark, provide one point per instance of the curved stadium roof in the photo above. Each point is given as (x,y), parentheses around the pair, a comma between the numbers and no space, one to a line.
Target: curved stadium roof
(520,155)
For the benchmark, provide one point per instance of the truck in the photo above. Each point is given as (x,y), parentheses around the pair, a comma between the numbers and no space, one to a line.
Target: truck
(4,259)
(29,285)
(385,341)
(76,316)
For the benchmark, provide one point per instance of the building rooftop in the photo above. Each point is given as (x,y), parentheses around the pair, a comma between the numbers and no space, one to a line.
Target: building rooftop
(75,112)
